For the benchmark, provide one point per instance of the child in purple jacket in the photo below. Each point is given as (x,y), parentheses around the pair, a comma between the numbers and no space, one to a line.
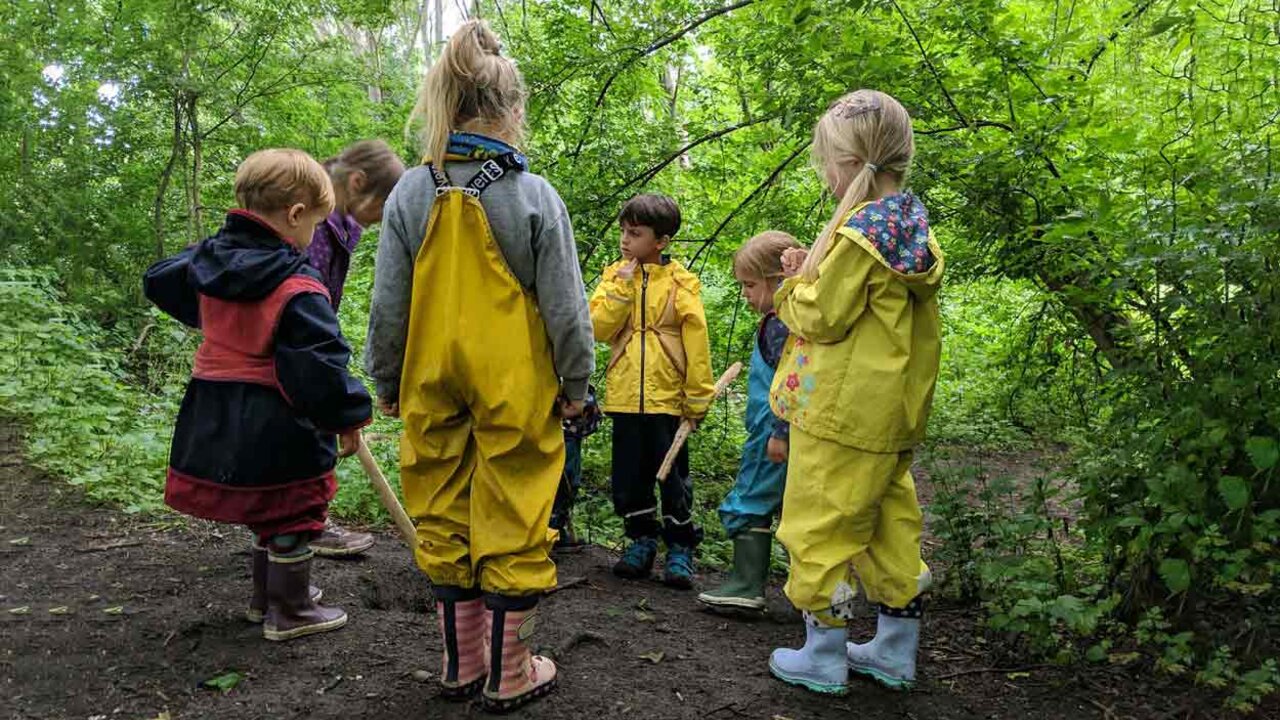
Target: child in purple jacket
(362,175)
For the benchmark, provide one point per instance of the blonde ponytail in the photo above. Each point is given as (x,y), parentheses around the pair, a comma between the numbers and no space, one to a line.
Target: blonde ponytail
(866,132)
(471,84)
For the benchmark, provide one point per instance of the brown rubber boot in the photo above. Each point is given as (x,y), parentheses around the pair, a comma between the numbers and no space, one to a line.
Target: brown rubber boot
(258,571)
(516,675)
(291,612)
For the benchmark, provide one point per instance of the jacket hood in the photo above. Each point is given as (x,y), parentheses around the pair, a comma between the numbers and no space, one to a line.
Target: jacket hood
(896,230)
(246,260)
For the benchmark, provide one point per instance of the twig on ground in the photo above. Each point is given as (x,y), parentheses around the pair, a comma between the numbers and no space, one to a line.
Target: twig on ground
(110,546)
(570,583)
(979,671)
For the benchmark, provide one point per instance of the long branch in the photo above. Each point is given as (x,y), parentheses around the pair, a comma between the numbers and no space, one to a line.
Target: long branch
(773,177)
(652,48)
(929,64)
(653,171)
(972,124)
(1129,19)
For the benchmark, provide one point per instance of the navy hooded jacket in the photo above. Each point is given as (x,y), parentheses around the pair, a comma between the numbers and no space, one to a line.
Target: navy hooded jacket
(247,435)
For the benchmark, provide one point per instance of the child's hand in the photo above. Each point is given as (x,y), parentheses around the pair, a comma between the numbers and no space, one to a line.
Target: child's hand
(792,259)
(777,450)
(388,408)
(349,443)
(628,271)
(570,409)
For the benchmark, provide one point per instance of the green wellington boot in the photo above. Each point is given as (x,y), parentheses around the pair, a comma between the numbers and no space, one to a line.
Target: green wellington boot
(752,550)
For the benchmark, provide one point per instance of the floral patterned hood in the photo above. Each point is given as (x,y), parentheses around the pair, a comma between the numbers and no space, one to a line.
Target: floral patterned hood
(896,230)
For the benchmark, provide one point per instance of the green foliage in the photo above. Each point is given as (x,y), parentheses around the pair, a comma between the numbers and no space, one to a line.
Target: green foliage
(86,424)
(1099,174)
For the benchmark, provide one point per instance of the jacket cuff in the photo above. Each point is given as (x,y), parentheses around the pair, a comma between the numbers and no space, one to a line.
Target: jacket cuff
(387,390)
(359,426)
(695,409)
(575,390)
(781,429)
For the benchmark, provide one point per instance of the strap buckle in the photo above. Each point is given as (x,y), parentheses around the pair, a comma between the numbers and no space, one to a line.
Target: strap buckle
(491,169)
(446,189)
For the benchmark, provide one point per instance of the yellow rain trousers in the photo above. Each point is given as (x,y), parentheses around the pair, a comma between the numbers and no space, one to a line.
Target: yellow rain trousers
(863,518)
(482,450)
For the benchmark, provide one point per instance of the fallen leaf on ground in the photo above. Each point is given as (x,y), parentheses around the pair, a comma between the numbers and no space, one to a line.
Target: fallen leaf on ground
(225,682)
(654,657)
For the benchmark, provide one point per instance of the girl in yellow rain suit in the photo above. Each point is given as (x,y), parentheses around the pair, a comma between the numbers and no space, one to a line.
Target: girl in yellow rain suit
(480,339)
(856,382)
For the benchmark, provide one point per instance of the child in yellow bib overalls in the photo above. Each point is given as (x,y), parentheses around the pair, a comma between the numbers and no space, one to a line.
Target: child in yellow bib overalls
(856,382)
(480,339)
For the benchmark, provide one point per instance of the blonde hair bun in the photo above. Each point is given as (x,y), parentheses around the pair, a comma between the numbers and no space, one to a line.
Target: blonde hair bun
(471,82)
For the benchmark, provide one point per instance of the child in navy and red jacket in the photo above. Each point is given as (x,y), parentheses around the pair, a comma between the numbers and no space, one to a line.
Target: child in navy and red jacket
(254,442)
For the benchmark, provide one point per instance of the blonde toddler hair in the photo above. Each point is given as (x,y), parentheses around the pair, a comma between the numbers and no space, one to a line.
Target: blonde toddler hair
(865,125)
(471,81)
(761,256)
(274,179)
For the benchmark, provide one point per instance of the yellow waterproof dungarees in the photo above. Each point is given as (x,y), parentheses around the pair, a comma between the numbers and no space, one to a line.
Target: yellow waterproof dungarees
(482,449)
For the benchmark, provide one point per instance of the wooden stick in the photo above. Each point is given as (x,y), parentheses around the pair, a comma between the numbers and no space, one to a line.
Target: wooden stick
(388,496)
(686,427)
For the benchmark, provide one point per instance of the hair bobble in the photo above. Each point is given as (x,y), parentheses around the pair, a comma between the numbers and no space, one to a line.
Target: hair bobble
(873,167)
(858,104)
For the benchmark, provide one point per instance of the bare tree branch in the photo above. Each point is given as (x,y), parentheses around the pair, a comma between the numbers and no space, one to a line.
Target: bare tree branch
(972,125)
(929,63)
(653,171)
(642,53)
(773,177)
(1129,18)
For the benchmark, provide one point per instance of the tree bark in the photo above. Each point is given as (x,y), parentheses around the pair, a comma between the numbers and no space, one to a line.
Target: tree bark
(166,176)
(197,166)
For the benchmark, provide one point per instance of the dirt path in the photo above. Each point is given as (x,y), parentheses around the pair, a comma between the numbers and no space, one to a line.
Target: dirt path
(103,616)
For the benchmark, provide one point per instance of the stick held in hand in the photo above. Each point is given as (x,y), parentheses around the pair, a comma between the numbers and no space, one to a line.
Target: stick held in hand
(408,532)
(682,433)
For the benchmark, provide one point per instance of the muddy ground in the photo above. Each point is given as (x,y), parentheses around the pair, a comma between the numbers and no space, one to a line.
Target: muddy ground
(105,616)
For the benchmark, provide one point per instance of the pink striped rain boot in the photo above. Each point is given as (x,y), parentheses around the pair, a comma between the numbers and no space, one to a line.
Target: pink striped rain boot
(463,625)
(516,676)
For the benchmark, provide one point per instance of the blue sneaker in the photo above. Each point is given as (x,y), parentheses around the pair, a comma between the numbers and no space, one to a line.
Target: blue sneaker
(637,560)
(679,572)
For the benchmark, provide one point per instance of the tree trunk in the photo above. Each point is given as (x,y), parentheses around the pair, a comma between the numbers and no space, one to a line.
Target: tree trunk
(1102,324)
(166,176)
(671,76)
(197,166)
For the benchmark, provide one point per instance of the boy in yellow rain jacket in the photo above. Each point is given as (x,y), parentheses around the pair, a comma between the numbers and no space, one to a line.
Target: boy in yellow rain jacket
(648,307)
(856,383)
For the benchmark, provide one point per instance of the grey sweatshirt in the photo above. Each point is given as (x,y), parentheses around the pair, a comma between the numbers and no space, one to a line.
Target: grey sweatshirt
(531,226)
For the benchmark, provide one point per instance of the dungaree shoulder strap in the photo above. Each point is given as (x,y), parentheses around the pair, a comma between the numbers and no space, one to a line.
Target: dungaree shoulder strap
(491,171)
